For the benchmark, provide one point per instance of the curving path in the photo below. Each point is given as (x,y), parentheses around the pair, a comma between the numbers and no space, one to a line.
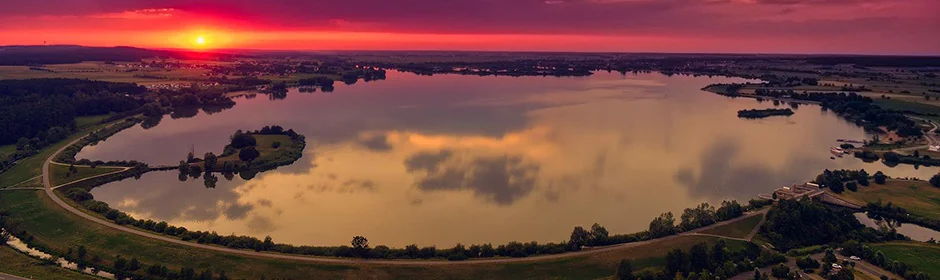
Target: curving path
(47,186)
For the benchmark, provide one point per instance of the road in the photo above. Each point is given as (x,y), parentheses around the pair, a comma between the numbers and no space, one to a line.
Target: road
(49,190)
(4,276)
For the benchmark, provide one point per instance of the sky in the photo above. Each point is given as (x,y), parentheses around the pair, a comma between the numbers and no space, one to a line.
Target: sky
(726,26)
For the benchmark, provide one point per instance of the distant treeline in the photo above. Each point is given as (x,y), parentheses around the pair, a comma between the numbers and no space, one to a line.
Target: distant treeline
(62,54)
(878,61)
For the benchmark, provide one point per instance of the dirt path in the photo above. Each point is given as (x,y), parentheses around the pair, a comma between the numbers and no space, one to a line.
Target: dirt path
(68,207)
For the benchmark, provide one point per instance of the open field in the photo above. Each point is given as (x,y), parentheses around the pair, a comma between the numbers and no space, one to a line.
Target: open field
(263,146)
(739,229)
(32,166)
(918,197)
(89,120)
(61,174)
(920,256)
(96,70)
(59,231)
(16,263)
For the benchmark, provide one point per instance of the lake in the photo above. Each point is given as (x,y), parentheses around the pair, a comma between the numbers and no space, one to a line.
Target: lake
(437,160)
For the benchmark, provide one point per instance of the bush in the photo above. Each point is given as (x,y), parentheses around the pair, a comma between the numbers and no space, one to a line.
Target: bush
(276,144)
(935,180)
(852,186)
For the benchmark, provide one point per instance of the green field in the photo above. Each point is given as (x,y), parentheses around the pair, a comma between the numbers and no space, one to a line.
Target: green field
(16,263)
(738,229)
(96,70)
(60,173)
(263,146)
(89,120)
(918,197)
(32,166)
(917,107)
(920,256)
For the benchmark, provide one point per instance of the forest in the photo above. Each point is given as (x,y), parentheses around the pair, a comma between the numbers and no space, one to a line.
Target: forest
(30,109)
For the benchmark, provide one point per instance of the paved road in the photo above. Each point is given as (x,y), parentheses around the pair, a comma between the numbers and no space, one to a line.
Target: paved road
(4,276)
(55,198)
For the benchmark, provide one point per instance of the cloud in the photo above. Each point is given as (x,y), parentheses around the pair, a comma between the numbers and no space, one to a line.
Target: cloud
(497,179)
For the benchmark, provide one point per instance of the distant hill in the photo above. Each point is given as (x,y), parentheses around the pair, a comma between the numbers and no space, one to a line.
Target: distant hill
(60,54)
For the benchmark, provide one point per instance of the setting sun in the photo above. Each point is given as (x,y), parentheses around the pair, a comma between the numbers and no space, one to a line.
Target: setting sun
(200,40)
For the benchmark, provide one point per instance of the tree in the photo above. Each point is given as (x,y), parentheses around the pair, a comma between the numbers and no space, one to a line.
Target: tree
(210,161)
(81,252)
(880,178)
(598,235)
(781,271)
(663,225)
(184,168)
(807,263)
(133,265)
(852,186)
(699,258)
(241,140)
(935,180)
(248,154)
(360,246)
(120,264)
(757,275)
(276,144)
(625,270)
(829,257)
(579,238)
(677,262)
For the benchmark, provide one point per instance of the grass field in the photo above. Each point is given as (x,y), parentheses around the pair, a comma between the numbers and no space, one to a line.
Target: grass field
(918,197)
(61,175)
(739,229)
(918,105)
(96,70)
(263,146)
(16,263)
(7,150)
(58,230)
(920,256)
(32,166)
(89,120)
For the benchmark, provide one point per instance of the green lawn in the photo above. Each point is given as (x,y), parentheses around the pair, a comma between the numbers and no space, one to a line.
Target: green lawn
(89,120)
(16,263)
(7,150)
(918,197)
(920,256)
(738,229)
(263,145)
(61,175)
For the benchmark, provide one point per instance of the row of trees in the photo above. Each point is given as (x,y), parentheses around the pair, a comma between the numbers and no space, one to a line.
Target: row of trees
(719,261)
(839,180)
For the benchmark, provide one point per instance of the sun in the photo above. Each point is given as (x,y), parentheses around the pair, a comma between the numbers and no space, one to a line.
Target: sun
(201,40)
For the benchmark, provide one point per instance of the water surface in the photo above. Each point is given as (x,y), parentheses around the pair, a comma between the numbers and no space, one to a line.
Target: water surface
(445,159)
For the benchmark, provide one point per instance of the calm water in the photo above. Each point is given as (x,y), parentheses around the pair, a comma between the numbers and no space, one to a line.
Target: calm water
(446,159)
(913,231)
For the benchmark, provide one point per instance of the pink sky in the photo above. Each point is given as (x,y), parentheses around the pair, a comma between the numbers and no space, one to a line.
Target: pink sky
(761,26)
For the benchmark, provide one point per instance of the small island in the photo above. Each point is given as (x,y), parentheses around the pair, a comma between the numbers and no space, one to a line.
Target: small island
(763,113)
(249,152)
